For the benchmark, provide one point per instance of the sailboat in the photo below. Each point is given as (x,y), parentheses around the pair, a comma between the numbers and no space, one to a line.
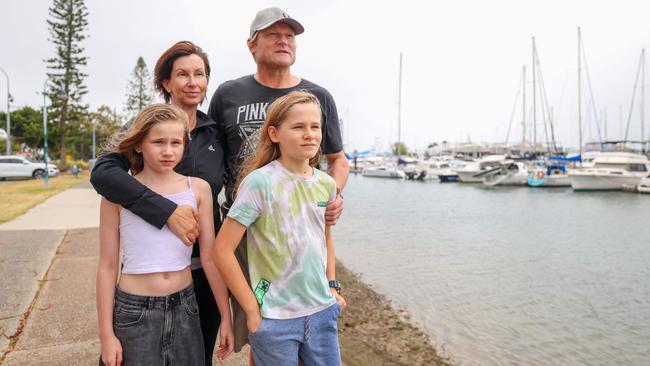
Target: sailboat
(617,170)
(389,170)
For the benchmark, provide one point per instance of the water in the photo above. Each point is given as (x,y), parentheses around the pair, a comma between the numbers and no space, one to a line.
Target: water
(507,276)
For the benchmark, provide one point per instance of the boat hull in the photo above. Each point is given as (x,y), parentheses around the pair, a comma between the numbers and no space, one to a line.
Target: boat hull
(550,181)
(601,182)
(383,174)
(643,189)
(517,179)
(644,186)
(467,176)
(448,178)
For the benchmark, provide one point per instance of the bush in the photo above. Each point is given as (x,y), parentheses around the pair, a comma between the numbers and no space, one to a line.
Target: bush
(82,165)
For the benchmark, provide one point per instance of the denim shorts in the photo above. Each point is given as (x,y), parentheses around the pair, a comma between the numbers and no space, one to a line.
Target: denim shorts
(159,330)
(313,339)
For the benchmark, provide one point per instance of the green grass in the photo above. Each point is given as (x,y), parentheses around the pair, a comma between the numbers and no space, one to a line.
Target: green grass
(17,197)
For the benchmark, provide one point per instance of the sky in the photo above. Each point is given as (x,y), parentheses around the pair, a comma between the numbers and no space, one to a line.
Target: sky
(462,60)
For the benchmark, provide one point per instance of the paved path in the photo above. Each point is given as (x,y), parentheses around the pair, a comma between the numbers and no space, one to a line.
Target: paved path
(76,207)
(47,278)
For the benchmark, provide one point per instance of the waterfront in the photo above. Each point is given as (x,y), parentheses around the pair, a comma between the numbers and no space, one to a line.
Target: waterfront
(507,276)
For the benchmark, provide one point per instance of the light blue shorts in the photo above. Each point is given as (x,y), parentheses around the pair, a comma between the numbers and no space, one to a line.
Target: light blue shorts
(313,338)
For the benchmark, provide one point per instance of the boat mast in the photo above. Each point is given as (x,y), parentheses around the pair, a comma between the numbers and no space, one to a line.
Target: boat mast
(399,110)
(579,97)
(523,109)
(534,103)
(620,120)
(605,123)
(642,99)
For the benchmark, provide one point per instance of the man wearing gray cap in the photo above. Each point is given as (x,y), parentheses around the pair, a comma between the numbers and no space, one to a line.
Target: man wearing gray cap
(239,108)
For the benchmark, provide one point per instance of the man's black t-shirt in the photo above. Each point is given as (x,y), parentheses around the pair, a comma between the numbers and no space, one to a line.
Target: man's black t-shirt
(239,108)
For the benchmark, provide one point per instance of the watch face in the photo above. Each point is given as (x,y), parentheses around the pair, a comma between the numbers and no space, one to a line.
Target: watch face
(335,284)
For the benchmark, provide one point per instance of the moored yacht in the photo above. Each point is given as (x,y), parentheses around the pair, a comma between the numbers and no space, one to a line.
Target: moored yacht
(549,175)
(611,171)
(644,186)
(383,172)
(467,173)
(510,173)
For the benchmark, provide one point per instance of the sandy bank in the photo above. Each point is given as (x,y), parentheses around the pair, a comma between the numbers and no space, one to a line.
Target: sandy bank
(372,333)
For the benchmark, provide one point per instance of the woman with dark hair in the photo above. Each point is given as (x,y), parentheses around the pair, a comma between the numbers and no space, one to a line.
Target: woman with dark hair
(181,76)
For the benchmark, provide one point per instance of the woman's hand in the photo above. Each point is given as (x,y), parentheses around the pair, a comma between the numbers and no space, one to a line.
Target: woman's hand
(184,223)
(339,299)
(253,320)
(226,340)
(112,351)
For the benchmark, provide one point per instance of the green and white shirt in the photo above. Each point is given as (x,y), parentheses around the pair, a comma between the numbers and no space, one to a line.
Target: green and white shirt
(287,256)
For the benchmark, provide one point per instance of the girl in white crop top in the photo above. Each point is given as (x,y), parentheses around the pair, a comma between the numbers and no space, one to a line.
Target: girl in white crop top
(154,289)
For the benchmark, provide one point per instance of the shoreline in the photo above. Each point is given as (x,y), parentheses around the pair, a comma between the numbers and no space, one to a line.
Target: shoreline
(372,332)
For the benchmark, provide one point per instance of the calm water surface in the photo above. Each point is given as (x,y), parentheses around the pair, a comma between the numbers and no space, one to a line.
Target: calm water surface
(507,276)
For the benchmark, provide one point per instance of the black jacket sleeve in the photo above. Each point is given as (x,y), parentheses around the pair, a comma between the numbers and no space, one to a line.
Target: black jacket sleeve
(111,179)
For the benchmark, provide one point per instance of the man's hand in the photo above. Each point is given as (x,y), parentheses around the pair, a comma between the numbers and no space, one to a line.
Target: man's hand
(183,222)
(334,211)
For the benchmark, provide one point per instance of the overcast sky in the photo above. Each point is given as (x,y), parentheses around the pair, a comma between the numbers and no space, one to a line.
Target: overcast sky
(462,59)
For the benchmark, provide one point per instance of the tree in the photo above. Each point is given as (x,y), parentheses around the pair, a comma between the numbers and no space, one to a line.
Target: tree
(106,123)
(27,126)
(138,90)
(399,148)
(67,24)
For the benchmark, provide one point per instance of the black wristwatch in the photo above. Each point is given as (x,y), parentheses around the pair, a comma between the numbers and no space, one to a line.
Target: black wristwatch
(335,284)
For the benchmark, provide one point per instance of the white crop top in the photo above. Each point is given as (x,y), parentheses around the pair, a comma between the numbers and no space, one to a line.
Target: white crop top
(147,249)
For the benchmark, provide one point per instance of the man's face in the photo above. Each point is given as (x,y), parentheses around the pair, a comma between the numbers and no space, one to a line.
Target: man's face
(275,46)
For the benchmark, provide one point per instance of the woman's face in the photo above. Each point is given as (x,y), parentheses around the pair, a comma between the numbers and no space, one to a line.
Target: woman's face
(188,81)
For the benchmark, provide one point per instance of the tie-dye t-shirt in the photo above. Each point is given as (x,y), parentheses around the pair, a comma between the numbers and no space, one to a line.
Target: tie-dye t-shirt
(287,255)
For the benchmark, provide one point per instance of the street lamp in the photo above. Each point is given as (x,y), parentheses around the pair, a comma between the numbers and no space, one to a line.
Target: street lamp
(60,95)
(9,99)
(94,152)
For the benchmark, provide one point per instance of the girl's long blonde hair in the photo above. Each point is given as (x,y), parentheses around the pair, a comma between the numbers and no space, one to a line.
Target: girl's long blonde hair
(267,150)
(126,142)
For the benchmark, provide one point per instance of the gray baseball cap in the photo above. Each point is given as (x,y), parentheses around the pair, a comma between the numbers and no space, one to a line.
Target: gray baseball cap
(269,16)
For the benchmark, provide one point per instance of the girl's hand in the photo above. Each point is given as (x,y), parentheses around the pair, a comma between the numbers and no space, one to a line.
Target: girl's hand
(253,320)
(112,352)
(226,340)
(339,299)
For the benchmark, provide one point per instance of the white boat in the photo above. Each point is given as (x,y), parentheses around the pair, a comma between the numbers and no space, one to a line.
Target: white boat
(467,173)
(383,172)
(644,186)
(611,171)
(554,175)
(431,170)
(510,173)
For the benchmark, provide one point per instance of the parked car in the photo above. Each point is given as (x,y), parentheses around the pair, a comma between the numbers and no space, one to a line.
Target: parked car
(20,167)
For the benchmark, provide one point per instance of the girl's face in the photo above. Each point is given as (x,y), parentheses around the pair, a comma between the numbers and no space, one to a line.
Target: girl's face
(188,82)
(162,148)
(299,135)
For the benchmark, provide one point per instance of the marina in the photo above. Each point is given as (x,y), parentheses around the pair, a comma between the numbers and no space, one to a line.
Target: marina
(507,275)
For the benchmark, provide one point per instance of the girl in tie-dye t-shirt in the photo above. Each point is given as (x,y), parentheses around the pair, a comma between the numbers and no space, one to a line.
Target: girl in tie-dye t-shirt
(280,204)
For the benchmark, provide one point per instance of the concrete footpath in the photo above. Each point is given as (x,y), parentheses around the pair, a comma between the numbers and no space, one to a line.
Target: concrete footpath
(48,259)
